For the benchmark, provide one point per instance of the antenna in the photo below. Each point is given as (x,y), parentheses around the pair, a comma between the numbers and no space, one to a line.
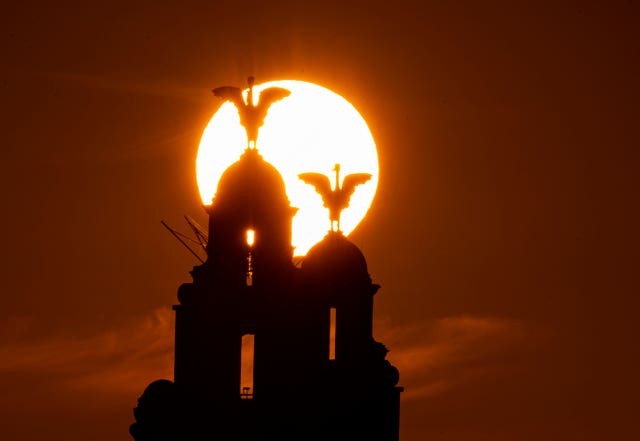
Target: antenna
(182,238)
(201,235)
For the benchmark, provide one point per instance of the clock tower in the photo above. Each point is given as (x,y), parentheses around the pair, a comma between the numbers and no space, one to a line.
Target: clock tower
(269,350)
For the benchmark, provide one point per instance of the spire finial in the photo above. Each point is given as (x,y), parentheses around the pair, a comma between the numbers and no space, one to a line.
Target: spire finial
(250,82)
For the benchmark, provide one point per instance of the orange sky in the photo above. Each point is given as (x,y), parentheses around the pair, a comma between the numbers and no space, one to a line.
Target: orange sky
(504,233)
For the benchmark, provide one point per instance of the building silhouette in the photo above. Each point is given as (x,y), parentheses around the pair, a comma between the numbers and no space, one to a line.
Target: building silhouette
(269,350)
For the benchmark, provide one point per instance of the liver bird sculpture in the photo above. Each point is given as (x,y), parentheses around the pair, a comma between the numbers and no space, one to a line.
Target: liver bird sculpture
(251,115)
(336,199)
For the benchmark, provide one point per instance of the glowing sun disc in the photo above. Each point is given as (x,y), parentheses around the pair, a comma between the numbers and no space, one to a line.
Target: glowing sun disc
(310,131)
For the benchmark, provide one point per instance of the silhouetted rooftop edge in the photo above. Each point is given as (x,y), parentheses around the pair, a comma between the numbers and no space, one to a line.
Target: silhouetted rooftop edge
(249,175)
(335,256)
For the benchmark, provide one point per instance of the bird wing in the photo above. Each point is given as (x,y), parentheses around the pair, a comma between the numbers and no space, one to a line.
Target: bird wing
(320,182)
(350,183)
(229,93)
(269,96)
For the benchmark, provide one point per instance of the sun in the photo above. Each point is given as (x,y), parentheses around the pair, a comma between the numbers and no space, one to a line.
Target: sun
(311,130)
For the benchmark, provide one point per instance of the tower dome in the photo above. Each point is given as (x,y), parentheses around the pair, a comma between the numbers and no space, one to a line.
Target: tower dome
(253,181)
(250,217)
(336,260)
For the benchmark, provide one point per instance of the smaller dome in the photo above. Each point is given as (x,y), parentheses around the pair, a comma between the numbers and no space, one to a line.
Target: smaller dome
(335,258)
(158,392)
(158,413)
(251,176)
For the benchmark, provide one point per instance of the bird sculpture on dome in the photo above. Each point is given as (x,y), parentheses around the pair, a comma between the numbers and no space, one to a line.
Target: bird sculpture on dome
(251,115)
(336,199)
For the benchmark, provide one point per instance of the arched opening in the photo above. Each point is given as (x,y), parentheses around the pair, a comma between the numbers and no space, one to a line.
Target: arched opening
(332,333)
(251,238)
(246,366)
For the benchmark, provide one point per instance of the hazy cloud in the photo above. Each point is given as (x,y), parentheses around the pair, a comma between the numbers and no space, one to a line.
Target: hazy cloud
(117,361)
(436,355)
(431,356)
(150,87)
